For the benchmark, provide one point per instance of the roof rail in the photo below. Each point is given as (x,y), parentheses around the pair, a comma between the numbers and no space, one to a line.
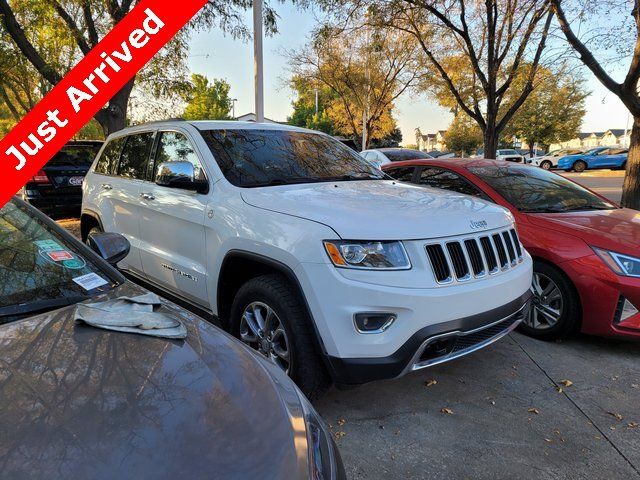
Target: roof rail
(177,119)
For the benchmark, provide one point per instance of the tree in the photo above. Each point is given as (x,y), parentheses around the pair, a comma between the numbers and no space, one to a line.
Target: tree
(626,44)
(304,107)
(463,135)
(490,39)
(207,101)
(552,113)
(365,69)
(85,22)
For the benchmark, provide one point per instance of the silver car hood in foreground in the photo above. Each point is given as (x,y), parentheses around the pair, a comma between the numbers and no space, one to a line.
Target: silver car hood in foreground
(80,402)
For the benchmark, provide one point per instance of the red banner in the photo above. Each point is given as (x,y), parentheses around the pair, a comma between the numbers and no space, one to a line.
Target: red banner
(88,87)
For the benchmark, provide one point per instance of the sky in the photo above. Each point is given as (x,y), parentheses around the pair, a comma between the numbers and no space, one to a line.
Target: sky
(219,56)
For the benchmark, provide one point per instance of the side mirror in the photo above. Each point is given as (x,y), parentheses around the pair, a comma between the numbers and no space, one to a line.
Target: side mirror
(112,247)
(180,175)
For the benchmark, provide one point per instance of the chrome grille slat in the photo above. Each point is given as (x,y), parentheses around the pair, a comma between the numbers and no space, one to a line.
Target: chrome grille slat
(462,259)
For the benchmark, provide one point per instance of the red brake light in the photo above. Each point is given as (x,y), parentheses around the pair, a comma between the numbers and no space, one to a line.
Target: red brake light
(40,177)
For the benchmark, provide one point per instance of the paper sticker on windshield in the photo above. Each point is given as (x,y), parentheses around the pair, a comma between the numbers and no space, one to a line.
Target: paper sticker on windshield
(90,281)
(48,245)
(60,255)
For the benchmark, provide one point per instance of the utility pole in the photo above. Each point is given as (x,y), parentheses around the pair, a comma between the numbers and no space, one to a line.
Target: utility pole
(258,60)
(233,108)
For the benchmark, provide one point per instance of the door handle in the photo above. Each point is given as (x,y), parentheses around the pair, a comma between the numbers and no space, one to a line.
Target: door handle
(106,186)
(147,196)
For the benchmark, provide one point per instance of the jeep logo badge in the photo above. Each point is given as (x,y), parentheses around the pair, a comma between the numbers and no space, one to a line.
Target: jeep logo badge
(482,224)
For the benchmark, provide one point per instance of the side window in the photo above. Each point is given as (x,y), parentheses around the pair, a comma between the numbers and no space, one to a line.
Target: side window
(176,147)
(135,156)
(446,180)
(403,174)
(108,161)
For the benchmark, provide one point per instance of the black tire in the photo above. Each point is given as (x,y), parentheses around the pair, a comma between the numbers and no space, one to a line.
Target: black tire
(623,166)
(546,165)
(306,366)
(571,311)
(94,229)
(579,166)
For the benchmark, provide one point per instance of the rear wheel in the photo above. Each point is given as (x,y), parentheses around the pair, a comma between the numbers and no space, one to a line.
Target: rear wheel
(579,166)
(545,165)
(268,315)
(555,309)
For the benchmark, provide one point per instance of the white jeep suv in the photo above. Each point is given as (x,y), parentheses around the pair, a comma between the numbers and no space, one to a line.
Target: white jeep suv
(306,252)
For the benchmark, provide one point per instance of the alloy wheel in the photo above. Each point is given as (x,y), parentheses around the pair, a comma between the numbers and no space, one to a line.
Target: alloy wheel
(547,306)
(262,329)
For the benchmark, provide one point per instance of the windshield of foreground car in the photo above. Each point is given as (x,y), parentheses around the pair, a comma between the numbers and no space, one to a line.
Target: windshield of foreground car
(259,158)
(532,190)
(38,267)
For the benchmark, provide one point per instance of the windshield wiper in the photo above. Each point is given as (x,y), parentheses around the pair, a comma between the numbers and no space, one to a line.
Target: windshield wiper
(32,308)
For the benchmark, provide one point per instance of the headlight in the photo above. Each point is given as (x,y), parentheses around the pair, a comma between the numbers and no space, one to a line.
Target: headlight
(323,464)
(619,263)
(368,255)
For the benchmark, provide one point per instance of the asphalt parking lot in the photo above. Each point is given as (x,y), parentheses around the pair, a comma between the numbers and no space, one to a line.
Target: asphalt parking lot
(518,409)
(607,183)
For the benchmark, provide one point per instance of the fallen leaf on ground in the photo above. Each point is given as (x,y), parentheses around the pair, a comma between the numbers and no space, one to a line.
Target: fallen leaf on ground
(616,415)
(430,383)
(548,440)
(342,421)
(566,383)
(340,434)
(633,425)
(559,390)
(448,411)
(534,410)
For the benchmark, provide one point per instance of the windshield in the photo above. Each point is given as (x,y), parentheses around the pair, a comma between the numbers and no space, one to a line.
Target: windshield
(39,270)
(537,190)
(75,155)
(405,154)
(507,152)
(258,158)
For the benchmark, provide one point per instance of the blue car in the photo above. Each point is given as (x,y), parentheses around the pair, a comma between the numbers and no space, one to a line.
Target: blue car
(600,157)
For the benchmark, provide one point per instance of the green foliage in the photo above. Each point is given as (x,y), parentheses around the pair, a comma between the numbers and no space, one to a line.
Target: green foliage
(391,139)
(463,135)
(207,101)
(304,107)
(552,113)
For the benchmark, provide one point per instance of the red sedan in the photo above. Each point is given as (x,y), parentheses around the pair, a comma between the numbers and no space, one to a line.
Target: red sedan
(586,249)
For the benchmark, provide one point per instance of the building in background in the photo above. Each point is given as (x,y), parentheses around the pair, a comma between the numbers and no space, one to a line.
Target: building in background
(615,137)
(431,141)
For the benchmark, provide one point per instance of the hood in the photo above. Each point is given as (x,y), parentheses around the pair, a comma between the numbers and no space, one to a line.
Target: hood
(617,230)
(80,402)
(381,209)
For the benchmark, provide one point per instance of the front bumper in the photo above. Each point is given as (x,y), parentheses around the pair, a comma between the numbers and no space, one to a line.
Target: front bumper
(601,291)
(435,344)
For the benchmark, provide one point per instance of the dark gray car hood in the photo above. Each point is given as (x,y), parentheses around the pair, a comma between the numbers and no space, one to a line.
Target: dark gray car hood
(79,402)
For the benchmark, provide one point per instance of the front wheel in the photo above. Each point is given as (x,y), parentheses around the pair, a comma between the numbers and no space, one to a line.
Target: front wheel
(546,165)
(93,230)
(579,166)
(268,315)
(555,309)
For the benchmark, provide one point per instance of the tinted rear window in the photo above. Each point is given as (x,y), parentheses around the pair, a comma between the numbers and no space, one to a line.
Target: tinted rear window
(108,161)
(135,156)
(75,155)
(408,154)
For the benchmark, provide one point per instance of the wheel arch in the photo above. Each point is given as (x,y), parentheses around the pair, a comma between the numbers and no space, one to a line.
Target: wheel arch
(566,276)
(239,266)
(88,220)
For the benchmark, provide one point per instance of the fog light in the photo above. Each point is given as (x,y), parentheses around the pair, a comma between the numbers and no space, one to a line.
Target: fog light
(373,322)
(628,310)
